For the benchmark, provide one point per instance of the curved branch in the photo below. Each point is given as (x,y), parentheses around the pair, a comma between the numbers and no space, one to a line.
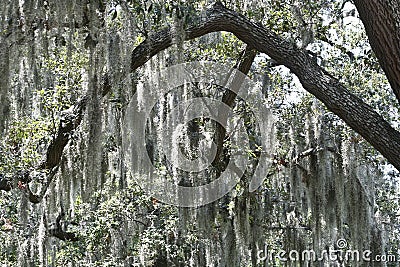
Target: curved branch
(70,120)
(5,183)
(59,232)
(351,109)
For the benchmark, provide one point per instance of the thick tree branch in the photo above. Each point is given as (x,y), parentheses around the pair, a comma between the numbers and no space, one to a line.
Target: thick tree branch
(354,111)
(70,120)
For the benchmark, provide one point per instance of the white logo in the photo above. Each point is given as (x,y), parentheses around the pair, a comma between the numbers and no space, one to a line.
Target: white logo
(139,109)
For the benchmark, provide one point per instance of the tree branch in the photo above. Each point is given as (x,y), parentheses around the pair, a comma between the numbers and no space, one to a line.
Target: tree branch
(229,96)
(351,109)
(58,230)
(5,184)
(70,120)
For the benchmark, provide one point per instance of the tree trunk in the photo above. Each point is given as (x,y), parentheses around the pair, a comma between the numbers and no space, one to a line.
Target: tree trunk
(381,19)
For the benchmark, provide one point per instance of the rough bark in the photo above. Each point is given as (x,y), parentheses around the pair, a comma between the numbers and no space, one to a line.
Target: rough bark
(70,120)
(353,110)
(381,19)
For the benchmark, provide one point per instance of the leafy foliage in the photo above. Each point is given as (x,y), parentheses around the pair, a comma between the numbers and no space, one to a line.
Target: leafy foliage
(118,223)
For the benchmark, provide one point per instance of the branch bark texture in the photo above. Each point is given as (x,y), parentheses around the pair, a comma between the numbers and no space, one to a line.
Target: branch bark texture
(351,109)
